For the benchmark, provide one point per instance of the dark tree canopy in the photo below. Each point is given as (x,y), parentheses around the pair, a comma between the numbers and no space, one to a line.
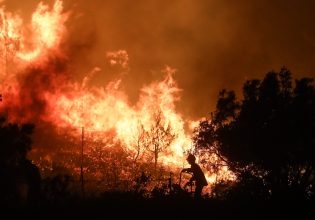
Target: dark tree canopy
(15,141)
(20,178)
(270,133)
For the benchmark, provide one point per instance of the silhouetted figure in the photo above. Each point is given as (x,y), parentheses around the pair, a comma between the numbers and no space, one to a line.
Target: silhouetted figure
(197,175)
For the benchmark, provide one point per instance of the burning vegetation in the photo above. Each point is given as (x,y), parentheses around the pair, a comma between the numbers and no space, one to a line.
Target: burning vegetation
(89,132)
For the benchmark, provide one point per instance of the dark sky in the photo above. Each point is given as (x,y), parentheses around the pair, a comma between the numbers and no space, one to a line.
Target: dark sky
(213,44)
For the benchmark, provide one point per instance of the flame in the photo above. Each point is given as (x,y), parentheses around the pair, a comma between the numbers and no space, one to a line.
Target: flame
(47,29)
(69,105)
(102,109)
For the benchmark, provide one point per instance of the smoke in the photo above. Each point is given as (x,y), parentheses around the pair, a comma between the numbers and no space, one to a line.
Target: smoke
(214,44)
(79,77)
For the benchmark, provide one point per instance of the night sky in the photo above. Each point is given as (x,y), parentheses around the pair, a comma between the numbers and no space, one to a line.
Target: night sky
(213,44)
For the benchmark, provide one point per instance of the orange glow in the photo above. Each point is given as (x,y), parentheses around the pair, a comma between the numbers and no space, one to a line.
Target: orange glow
(71,104)
(47,28)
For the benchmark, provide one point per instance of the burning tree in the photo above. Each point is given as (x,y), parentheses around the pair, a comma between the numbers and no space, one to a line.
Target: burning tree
(41,88)
(159,137)
(139,143)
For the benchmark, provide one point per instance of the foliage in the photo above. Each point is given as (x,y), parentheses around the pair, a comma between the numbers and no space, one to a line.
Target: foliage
(20,178)
(269,134)
(15,141)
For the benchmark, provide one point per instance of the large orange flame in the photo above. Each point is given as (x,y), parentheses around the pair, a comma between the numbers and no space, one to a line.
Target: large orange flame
(33,81)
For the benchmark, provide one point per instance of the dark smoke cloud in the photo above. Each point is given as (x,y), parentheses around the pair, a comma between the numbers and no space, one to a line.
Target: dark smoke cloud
(214,44)
(29,105)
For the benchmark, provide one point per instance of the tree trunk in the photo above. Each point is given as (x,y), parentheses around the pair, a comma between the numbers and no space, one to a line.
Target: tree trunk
(155,160)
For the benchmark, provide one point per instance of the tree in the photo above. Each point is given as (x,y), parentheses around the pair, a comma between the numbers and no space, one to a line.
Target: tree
(269,134)
(159,137)
(20,179)
(140,143)
(15,141)
(206,147)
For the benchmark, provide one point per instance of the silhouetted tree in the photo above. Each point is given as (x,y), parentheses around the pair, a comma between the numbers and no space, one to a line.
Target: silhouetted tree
(20,179)
(139,143)
(159,137)
(268,135)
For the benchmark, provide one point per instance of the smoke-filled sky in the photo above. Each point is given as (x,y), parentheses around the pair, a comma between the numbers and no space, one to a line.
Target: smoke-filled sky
(213,44)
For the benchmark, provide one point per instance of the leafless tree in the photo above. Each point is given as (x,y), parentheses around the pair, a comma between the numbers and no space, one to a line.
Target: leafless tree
(159,137)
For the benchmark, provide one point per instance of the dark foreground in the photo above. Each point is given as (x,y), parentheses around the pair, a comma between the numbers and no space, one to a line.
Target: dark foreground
(124,206)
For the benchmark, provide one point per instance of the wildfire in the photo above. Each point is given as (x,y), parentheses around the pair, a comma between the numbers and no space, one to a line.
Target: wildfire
(34,90)
(47,29)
